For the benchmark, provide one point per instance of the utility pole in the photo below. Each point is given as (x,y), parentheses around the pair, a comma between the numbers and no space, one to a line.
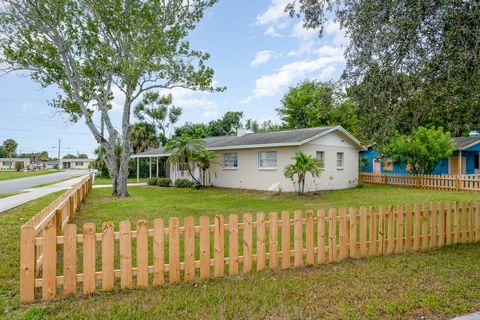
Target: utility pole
(59,144)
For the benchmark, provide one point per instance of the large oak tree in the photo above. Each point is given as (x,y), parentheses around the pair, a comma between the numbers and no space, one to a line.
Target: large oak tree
(90,49)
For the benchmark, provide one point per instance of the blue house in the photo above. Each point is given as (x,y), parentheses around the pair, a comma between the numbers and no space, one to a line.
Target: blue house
(466,148)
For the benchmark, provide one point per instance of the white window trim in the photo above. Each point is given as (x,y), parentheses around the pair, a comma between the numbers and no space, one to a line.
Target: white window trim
(343,161)
(267,168)
(229,168)
(323,161)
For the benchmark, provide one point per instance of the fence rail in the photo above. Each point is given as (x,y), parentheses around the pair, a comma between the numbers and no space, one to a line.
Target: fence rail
(55,217)
(158,253)
(425,181)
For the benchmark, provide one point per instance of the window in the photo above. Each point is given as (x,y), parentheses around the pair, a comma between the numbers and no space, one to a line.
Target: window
(79,164)
(339,160)
(6,163)
(476,160)
(182,167)
(321,157)
(230,160)
(267,159)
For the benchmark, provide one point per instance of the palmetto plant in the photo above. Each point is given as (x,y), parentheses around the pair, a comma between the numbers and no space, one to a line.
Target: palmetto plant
(184,150)
(205,160)
(10,146)
(303,164)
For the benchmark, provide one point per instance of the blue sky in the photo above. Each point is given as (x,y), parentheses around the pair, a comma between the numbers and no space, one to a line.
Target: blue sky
(257,52)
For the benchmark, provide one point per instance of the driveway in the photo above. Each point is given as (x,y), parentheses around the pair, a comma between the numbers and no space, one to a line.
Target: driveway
(16,185)
(35,193)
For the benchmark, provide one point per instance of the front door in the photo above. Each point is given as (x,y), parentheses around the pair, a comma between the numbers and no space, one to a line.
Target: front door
(454,165)
(376,166)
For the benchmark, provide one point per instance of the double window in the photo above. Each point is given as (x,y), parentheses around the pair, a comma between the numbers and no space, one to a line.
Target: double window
(267,159)
(79,164)
(340,160)
(182,166)
(230,160)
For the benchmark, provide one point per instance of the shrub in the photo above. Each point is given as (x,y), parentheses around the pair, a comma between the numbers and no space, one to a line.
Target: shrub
(183,183)
(164,182)
(197,185)
(152,181)
(18,166)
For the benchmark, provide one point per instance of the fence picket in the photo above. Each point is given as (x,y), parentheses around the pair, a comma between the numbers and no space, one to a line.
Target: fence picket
(174,250)
(321,236)
(108,256)
(158,252)
(204,247)
(297,236)
(285,240)
(448,224)
(142,254)
(233,245)
(425,216)
(381,230)
(219,247)
(70,260)
(353,232)
(189,248)
(49,288)
(247,243)
(363,232)
(456,223)
(477,220)
(416,228)
(433,226)
(27,264)
(471,223)
(89,256)
(332,235)
(261,253)
(125,255)
(309,242)
(400,218)
(441,224)
(273,241)
(342,234)
(372,233)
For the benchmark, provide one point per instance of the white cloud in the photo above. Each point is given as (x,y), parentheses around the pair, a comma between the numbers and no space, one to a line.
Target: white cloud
(270,85)
(272,32)
(275,12)
(261,57)
(304,34)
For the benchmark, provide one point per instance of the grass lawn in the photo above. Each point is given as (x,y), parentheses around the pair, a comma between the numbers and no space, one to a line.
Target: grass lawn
(8,175)
(438,284)
(99,181)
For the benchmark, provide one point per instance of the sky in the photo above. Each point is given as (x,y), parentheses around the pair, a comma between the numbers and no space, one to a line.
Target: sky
(257,52)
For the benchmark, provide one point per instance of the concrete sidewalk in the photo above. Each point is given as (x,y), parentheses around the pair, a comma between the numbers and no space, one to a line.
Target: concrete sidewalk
(35,193)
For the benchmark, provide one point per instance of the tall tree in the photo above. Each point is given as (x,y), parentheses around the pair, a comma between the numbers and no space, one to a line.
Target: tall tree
(228,124)
(413,60)
(422,150)
(144,137)
(10,146)
(198,130)
(159,111)
(91,49)
(313,104)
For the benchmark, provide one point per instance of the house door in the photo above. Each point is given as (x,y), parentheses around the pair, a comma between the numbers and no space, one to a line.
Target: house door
(376,166)
(454,165)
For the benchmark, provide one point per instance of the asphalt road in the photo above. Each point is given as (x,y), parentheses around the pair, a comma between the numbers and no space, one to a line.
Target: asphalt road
(15,185)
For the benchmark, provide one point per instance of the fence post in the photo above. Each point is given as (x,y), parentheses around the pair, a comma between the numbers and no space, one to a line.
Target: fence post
(71,211)
(58,222)
(457,183)
(27,264)
(79,199)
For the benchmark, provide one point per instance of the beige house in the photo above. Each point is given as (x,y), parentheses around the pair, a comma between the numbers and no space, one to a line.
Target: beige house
(81,164)
(7,164)
(257,160)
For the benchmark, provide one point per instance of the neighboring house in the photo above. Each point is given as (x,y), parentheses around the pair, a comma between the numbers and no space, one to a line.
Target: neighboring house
(466,148)
(257,160)
(75,163)
(6,163)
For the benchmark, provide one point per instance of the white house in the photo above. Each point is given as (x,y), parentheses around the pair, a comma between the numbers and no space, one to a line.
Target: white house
(7,164)
(257,160)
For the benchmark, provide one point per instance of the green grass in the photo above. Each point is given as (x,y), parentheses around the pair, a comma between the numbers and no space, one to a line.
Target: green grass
(438,284)
(5,195)
(8,175)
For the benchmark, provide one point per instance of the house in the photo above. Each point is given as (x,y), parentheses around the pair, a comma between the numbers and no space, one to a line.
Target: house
(81,164)
(9,164)
(466,148)
(257,160)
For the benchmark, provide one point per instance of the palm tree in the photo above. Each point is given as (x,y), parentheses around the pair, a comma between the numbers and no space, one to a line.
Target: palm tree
(303,164)
(143,136)
(184,150)
(10,146)
(205,159)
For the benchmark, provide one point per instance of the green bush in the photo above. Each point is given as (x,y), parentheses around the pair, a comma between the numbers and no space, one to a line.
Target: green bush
(152,181)
(18,165)
(183,183)
(164,182)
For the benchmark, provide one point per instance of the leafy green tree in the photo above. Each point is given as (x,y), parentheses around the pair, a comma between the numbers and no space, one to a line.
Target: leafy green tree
(265,126)
(90,49)
(159,111)
(82,156)
(3,153)
(184,149)
(228,124)
(422,150)
(303,164)
(10,146)
(426,65)
(143,136)
(205,160)
(313,104)
(198,130)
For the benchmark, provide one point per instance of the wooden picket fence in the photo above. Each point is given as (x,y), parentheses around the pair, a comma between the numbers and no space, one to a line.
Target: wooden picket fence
(55,217)
(425,181)
(93,261)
